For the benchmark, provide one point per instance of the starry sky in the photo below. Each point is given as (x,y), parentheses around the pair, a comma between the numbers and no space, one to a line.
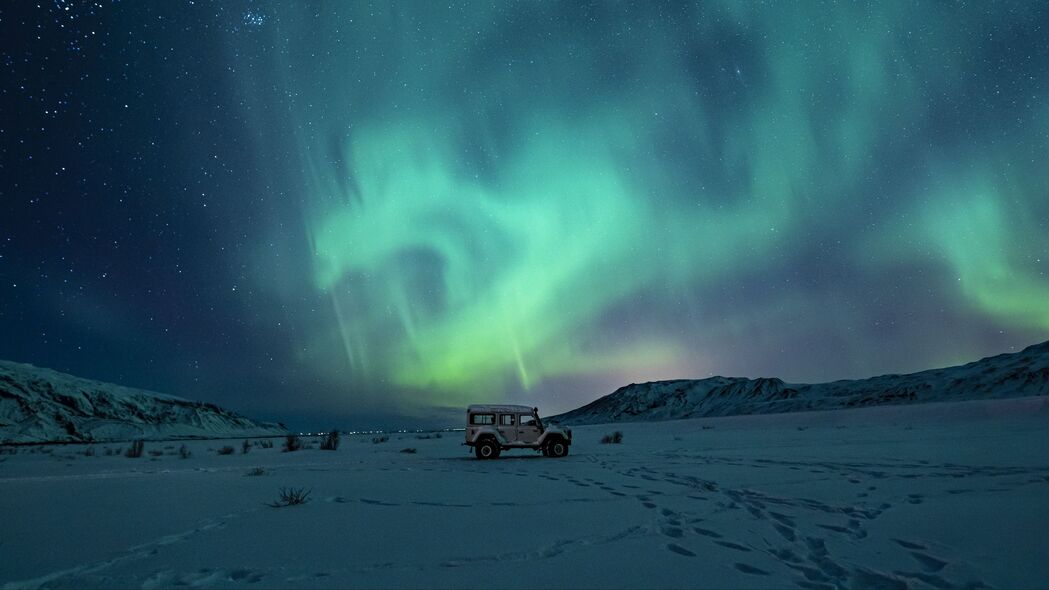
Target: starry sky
(371,214)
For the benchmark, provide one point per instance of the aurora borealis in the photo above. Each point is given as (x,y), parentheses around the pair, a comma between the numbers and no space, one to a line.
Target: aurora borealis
(376,210)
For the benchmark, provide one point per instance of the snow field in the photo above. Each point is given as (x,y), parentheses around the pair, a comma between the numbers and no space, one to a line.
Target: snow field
(928,496)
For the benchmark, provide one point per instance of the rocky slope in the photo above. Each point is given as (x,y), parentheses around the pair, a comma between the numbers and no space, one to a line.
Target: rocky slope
(41,405)
(1019,374)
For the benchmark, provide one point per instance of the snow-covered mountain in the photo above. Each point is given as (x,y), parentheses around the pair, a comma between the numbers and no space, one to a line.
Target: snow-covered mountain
(1019,374)
(41,405)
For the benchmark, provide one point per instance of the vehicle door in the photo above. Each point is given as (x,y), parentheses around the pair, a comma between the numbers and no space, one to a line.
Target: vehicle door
(507,426)
(527,429)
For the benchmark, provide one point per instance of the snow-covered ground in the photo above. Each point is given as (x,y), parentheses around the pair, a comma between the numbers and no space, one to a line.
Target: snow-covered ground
(939,495)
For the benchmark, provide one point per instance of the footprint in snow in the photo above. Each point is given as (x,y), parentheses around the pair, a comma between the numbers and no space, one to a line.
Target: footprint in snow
(731,545)
(377,502)
(680,550)
(673,532)
(706,533)
(928,562)
(786,532)
(749,569)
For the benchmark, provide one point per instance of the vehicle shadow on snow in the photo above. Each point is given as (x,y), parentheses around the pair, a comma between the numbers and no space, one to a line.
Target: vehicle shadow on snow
(536,457)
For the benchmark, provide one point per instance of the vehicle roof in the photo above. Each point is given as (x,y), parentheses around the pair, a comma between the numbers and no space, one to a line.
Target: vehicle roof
(499,408)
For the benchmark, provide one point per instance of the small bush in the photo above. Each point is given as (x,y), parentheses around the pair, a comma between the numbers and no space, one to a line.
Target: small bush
(380,439)
(292,443)
(245,447)
(135,450)
(89,452)
(409,450)
(612,439)
(330,441)
(225,451)
(156,453)
(256,471)
(183,452)
(291,497)
(110,451)
(266,444)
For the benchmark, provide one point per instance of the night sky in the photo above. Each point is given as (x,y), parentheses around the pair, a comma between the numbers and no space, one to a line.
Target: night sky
(372,214)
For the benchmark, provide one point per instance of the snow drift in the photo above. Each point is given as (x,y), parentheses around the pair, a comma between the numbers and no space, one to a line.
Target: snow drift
(41,405)
(1019,374)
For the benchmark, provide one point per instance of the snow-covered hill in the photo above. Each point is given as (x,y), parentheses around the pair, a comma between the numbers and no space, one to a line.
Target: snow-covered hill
(1019,374)
(41,405)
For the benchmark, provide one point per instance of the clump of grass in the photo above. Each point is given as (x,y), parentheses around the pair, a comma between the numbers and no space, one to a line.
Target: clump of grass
(135,450)
(225,451)
(410,450)
(155,453)
(256,471)
(89,452)
(245,447)
(380,439)
(266,444)
(292,443)
(612,439)
(291,497)
(183,452)
(330,442)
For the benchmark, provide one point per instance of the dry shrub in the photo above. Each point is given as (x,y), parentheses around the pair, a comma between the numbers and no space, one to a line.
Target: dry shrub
(330,441)
(291,497)
(135,450)
(292,443)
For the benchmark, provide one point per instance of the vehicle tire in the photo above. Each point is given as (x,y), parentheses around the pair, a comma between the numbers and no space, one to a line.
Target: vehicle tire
(487,449)
(557,448)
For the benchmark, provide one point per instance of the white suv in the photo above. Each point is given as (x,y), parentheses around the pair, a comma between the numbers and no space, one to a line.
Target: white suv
(492,429)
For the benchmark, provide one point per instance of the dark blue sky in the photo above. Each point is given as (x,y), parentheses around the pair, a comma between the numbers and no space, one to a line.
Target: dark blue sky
(372,214)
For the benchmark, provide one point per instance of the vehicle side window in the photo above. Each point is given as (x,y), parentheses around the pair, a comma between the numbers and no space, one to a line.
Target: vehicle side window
(506,419)
(482,419)
(527,420)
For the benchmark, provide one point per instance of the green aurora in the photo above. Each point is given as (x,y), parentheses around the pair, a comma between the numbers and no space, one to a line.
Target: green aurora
(504,200)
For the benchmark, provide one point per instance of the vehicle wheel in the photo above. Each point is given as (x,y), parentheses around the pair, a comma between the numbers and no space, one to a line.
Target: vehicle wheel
(487,450)
(557,448)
